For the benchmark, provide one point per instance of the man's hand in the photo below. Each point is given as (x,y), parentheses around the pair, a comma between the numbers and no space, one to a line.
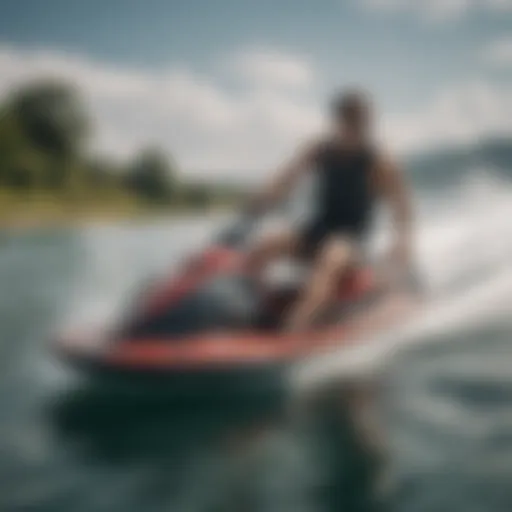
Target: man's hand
(394,191)
(400,254)
(398,265)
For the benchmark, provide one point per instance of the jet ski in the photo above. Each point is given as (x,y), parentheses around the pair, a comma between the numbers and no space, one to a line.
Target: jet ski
(208,322)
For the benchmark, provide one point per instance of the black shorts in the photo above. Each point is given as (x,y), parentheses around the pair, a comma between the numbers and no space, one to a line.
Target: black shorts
(312,236)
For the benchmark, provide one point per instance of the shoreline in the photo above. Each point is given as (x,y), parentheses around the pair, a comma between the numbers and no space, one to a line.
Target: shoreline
(43,210)
(42,220)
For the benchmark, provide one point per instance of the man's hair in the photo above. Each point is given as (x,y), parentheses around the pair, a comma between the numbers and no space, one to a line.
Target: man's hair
(353,106)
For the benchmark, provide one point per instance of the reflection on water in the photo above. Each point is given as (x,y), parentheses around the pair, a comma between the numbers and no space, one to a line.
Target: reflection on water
(230,456)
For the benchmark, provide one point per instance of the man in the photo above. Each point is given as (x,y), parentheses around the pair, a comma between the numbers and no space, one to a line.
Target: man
(352,176)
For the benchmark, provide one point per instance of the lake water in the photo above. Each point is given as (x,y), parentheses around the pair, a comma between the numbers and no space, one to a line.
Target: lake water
(447,404)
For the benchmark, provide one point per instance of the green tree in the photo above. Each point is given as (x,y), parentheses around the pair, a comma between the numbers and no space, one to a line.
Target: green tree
(53,120)
(12,143)
(198,196)
(151,176)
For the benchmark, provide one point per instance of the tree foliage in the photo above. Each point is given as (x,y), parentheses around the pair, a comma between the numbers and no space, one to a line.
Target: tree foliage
(151,176)
(52,117)
(44,130)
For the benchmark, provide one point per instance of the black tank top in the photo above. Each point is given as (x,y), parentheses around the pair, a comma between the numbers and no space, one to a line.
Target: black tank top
(345,196)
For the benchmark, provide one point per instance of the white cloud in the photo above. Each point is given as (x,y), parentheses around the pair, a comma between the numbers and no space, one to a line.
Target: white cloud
(498,53)
(209,128)
(460,114)
(270,69)
(438,10)
(204,125)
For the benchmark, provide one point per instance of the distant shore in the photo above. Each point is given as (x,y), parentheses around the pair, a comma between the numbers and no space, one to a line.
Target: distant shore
(39,211)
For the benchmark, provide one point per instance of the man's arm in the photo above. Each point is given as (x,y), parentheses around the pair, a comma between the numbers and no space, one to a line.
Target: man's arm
(395,192)
(287,176)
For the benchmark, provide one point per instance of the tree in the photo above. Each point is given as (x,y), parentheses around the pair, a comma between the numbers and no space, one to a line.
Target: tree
(52,117)
(12,144)
(198,196)
(151,176)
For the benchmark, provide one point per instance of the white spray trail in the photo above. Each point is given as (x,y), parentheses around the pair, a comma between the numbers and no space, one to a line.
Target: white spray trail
(465,254)
(488,302)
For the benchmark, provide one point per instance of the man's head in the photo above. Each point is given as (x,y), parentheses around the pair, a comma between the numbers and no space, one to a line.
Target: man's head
(351,112)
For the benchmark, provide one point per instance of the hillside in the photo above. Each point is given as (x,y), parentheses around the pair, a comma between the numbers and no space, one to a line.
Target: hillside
(447,166)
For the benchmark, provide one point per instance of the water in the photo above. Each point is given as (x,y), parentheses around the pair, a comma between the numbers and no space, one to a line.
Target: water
(446,404)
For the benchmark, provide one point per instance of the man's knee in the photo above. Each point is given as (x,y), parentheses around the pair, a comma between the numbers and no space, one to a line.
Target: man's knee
(274,244)
(337,254)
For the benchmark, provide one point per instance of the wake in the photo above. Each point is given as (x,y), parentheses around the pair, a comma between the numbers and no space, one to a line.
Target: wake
(464,254)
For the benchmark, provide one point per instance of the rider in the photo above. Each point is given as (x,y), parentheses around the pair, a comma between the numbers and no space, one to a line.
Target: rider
(352,175)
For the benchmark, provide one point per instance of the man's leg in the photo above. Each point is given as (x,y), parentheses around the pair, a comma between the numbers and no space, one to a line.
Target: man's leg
(334,258)
(270,247)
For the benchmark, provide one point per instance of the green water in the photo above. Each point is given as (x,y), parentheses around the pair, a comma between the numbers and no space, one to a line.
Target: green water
(64,446)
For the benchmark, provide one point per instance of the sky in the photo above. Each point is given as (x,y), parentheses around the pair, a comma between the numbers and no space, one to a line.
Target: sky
(231,86)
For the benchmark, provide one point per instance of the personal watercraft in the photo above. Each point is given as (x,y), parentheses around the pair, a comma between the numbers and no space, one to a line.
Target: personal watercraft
(208,322)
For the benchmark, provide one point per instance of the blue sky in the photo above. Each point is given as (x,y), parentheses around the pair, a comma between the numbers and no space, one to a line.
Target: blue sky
(224,84)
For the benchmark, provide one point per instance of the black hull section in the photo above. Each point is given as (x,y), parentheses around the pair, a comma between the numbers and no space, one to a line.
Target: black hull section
(236,381)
